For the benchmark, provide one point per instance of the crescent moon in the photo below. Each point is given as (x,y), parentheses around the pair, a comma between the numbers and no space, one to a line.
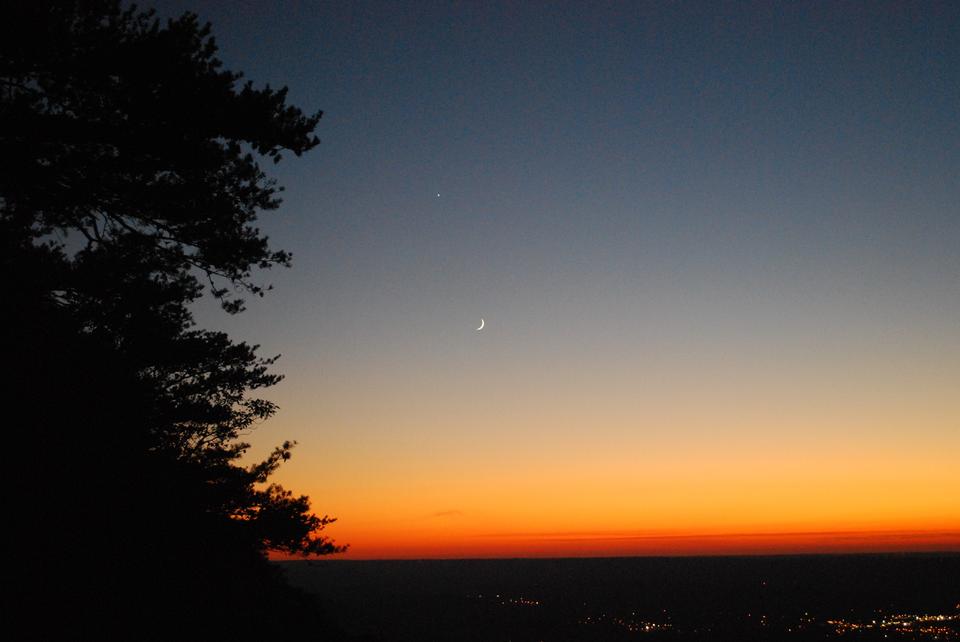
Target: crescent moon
(481,325)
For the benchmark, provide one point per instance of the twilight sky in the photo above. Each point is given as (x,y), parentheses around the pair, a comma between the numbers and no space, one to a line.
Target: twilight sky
(716,246)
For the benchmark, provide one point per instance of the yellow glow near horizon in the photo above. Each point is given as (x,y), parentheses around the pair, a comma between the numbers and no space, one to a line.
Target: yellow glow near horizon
(625,495)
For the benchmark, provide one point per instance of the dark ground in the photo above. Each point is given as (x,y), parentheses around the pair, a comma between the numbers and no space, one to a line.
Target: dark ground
(706,598)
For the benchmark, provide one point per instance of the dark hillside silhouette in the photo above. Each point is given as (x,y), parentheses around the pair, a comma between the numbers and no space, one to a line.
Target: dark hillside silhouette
(129,187)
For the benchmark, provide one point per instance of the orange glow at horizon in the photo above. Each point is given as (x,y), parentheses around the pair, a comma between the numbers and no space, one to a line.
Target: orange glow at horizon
(730,501)
(549,545)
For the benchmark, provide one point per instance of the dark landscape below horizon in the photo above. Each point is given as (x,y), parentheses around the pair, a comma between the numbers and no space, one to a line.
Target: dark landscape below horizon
(797,597)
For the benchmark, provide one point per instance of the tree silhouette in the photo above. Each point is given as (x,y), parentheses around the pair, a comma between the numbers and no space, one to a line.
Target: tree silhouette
(130,185)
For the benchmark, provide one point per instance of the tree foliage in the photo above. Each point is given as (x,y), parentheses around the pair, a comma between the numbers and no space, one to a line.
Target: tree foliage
(130,186)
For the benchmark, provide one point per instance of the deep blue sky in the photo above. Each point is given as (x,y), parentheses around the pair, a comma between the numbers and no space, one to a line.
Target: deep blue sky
(673,216)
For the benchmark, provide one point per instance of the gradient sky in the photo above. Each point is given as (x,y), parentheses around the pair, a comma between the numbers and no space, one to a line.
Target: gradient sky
(716,246)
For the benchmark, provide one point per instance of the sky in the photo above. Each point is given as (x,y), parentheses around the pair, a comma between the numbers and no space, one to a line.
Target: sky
(715,247)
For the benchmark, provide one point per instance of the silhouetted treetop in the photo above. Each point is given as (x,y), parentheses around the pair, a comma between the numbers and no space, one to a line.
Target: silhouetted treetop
(114,124)
(130,181)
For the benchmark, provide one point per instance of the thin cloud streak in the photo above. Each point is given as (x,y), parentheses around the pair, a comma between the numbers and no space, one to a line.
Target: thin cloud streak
(607,536)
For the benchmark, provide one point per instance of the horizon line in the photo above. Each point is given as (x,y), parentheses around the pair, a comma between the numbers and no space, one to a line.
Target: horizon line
(334,557)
